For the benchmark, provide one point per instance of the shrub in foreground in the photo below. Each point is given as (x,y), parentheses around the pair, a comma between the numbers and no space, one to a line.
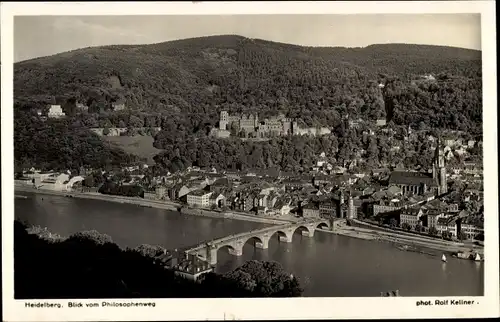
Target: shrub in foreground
(89,265)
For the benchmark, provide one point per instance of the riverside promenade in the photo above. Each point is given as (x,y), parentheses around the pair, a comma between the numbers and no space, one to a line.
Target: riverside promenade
(402,238)
(167,205)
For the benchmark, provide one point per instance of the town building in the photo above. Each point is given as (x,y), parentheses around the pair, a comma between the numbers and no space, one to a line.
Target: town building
(310,211)
(447,225)
(430,217)
(161,192)
(471,231)
(149,195)
(55,111)
(351,209)
(282,206)
(410,216)
(118,106)
(383,206)
(199,198)
(180,190)
(220,184)
(54,181)
(420,183)
(190,267)
(217,200)
(331,209)
(439,170)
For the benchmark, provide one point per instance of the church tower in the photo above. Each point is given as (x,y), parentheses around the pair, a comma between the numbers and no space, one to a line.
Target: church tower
(351,210)
(439,169)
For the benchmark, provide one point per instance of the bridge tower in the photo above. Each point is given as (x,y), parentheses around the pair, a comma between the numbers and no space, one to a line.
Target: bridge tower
(211,252)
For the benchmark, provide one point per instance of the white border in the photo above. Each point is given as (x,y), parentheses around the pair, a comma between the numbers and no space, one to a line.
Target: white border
(302,308)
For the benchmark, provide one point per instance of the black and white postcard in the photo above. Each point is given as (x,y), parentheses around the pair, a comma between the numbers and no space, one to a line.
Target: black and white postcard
(237,160)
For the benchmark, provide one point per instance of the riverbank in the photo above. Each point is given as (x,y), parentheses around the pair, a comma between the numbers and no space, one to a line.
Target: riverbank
(232,215)
(396,238)
(417,243)
(167,205)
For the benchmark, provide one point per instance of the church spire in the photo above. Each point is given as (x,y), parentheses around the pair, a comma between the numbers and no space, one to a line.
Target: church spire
(439,168)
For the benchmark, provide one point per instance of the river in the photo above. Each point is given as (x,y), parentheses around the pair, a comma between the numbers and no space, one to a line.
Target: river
(328,265)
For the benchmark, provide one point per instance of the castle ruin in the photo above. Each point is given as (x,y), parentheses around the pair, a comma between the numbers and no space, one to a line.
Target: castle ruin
(250,126)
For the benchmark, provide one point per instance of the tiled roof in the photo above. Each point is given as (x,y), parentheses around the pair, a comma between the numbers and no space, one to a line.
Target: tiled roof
(221,182)
(411,178)
(410,211)
(311,206)
(198,193)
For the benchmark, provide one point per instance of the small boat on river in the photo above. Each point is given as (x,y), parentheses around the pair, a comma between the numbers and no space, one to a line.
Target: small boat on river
(443,258)
(477,258)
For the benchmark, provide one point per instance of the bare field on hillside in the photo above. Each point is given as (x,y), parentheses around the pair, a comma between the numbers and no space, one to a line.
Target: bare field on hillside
(141,146)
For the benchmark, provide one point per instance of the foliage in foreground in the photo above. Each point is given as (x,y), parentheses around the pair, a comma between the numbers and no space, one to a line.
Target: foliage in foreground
(89,265)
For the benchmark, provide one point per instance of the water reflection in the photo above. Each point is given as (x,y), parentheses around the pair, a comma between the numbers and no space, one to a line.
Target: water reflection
(327,264)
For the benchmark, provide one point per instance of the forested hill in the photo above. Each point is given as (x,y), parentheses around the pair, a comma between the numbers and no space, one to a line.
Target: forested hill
(198,77)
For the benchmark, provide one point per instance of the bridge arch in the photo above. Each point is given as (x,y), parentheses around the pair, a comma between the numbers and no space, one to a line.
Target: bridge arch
(305,229)
(323,225)
(283,235)
(229,248)
(255,239)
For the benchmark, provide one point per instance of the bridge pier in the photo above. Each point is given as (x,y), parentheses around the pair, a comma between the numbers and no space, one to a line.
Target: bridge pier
(236,251)
(308,233)
(212,256)
(285,239)
(263,245)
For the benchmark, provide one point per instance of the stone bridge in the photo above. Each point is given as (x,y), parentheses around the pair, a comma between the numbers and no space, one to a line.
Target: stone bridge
(208,250)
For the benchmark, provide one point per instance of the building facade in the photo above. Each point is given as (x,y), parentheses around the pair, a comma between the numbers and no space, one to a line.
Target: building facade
(199,198)
(55,111)
(250,125)
(419,183)
(310,211)
(410,216)
(439,169)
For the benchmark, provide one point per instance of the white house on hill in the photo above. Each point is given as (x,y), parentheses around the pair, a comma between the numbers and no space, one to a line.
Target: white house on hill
(55,111)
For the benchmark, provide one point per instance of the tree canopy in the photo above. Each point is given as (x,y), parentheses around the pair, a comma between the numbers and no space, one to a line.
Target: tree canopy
(181,86)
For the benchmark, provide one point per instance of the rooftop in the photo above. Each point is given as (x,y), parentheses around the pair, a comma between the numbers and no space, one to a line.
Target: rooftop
(411,178)
(410,211)
(199,193)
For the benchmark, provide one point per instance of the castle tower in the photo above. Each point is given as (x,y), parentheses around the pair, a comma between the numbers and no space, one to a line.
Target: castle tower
(295,128)
(439,169)
(224,116)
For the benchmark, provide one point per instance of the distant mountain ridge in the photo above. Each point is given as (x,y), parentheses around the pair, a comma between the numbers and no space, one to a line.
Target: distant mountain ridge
(203,75)
(184,85)
(464,53)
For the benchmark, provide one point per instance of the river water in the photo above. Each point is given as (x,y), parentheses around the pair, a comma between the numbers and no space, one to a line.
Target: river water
(328,265)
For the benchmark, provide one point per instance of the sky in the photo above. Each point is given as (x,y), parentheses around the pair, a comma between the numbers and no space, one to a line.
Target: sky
(36,36)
